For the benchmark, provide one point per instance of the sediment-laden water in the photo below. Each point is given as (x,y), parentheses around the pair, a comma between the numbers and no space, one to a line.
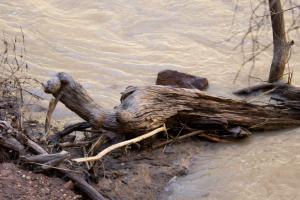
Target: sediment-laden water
(109,45)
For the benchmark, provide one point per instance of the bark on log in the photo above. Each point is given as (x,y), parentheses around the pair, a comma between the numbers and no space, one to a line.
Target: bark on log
(76,98)
(143,109)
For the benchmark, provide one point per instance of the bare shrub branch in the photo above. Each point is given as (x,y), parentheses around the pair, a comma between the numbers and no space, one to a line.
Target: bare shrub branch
(14,78)
(259,25)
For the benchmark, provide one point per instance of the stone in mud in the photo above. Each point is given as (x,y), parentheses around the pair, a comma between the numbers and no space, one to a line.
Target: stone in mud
(181,80)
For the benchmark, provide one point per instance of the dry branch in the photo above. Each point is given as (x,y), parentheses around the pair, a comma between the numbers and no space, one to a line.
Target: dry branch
(86,188)
(180,138)
(43,158)
(283,90)
(11,143)
(55,138)
(121,144)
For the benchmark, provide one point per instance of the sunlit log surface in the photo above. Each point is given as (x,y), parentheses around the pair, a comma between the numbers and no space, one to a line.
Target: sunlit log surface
(143,109)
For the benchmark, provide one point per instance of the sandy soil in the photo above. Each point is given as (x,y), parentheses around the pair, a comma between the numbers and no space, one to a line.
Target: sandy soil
(19,184)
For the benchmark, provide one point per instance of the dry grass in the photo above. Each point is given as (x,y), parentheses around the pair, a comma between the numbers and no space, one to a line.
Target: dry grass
(14,78)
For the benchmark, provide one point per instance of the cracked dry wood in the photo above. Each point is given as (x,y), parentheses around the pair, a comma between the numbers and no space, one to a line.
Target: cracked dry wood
(146,108)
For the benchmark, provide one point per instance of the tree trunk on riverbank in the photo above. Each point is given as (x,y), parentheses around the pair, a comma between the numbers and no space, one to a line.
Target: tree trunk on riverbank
(143,109)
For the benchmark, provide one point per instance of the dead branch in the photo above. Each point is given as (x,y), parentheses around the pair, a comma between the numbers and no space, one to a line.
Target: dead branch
(121,144)
(55,138)
(86,188)
(188,135)
(286,92)
(43,158)
(11,143)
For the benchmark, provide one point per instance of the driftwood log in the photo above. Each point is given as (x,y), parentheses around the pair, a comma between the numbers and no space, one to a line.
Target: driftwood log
(146,108)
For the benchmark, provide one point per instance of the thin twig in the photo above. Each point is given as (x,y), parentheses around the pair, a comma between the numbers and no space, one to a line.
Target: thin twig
(59,168)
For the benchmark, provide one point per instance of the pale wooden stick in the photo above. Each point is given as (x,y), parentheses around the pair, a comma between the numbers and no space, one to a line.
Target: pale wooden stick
(121,144)
(51,108)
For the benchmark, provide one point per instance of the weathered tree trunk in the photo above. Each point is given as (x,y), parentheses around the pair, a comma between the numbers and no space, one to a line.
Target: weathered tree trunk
(143,109)
(281,47)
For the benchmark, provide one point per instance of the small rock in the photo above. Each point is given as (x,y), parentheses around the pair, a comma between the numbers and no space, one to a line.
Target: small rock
(181,80)
(69,185)
(77,197)
(5,173)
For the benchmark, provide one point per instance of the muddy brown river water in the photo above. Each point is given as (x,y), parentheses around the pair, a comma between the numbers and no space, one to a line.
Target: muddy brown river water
(109,44)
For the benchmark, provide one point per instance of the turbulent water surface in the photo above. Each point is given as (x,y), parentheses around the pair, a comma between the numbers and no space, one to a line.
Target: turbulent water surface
(108,45)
